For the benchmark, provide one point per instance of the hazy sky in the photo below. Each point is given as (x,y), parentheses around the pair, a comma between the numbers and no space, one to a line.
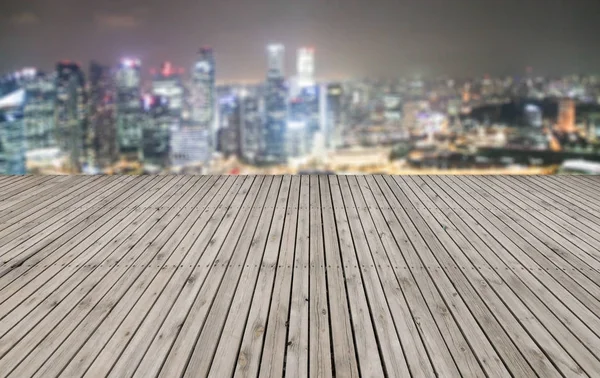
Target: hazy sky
(351,37)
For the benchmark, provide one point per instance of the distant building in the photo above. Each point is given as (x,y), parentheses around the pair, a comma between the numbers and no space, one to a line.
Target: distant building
(305,66)
(251,126)
(229,134)
(303,122)
(102,114)
(189,147)
(71,128)
(334,126)
(38,113)
(273,148)
(566,116)
(156,133)
(203,90)
(129,109)
(533,115)
(12,134)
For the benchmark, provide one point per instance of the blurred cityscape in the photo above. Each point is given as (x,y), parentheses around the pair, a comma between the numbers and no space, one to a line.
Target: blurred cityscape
(127,119)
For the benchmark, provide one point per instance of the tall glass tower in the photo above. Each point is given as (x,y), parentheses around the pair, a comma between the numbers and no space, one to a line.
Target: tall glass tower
(70,115)
(273,149)
(129,109)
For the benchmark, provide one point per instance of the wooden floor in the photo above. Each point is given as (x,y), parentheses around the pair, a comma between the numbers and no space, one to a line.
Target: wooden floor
(416,276)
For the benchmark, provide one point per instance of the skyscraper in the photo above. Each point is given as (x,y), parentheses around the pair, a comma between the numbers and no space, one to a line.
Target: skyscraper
(12,135)
(333,130)
(203,89)
(129,109)
(38,113)
(155,133)
(229,124)
(42,153)
(102,114)
(252,123)
(566,116)
(167,83)
(70,112)
(275,56)
(305,66)
(273,148)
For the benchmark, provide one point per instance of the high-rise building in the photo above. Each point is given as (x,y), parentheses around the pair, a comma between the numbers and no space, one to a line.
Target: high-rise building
(566,116)
(305,66)
(70,112)
(334,127)
(276,60)
(203,122)
(129,109)
(38,113)
(273,149)
(102,114)
(252,123)
(304,120)
(229,142)
(168,83)
(42,153)
(203,89)
(156,133)
(12,135)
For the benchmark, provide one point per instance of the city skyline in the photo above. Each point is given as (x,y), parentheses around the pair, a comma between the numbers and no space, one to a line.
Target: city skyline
(384,38)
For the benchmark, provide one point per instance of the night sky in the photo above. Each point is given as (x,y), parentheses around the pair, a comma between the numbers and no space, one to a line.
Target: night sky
(351,37)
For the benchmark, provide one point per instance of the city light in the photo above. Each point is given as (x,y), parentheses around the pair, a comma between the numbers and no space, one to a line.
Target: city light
(290,120)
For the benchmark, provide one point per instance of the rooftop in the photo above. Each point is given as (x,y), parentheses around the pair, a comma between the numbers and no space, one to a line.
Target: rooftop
(300,275)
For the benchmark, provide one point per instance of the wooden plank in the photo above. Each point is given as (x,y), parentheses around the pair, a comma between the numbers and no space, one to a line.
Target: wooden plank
(570,237)
(151,344)
(105,346)
(574,188)
(448,283)
(296,357)
(20,239)
(33,282)
(29,188)
(342,339)
(580,200)
(243,319)
(12,183)
(581,181)
(14,231)
(550,294)
(218,343)
(203,325)
(343,248)
(30,248)
(505,281)
(53,199)
(86,239)
(6,182)
(269,355)
(319,342)
(560,197)
(93,289)
(548,249)
(134,304)
(573,216)
(522,352)
(403,351)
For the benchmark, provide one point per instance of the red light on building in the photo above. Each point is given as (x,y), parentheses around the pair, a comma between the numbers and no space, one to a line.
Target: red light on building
(167,69)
